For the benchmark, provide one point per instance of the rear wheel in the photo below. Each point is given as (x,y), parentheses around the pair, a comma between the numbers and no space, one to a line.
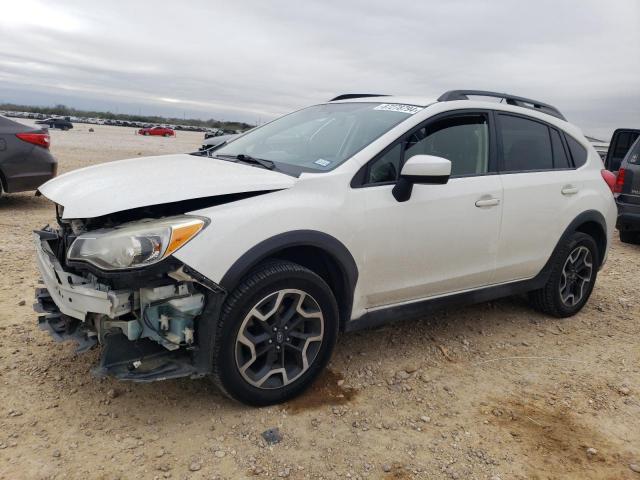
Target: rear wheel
(573,275)
(630,237)
(275,335)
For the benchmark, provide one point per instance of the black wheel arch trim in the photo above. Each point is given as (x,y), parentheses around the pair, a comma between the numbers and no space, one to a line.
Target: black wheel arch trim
(295,238)
(588,216)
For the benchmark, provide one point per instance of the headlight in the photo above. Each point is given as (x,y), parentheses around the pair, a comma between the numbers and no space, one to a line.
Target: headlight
(136,244)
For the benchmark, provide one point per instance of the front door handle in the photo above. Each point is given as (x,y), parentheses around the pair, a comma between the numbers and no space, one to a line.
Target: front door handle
(488,202)
(569,190)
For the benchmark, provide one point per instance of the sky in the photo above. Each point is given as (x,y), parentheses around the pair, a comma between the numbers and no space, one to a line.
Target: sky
(255,60)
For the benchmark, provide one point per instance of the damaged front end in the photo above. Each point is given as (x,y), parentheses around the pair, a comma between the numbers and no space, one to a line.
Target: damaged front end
(153,322)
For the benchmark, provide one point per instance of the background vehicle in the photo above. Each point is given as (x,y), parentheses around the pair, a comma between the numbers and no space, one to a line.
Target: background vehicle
(601,147)
(627,191)
(162,131)
(219,132)
(25,161)
(245,264)
(211,142)
(621,142)
(59,123)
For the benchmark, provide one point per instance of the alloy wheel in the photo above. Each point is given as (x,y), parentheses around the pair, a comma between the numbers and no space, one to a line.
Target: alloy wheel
(576,276)
(279,339)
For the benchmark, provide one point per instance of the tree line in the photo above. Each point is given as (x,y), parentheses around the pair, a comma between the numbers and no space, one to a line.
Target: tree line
(65,111)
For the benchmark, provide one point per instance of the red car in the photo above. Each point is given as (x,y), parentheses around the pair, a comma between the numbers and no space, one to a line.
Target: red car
(164,131)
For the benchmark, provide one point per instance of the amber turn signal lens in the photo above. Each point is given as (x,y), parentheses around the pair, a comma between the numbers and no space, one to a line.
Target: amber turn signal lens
(182,234)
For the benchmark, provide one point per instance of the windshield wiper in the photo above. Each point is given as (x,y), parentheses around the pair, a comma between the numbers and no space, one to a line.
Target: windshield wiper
(268,164)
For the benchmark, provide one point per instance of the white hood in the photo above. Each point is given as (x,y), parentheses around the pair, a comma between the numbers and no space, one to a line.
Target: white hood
(139,182)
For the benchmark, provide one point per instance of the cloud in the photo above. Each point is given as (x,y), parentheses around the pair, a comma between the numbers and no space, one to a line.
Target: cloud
(255,59)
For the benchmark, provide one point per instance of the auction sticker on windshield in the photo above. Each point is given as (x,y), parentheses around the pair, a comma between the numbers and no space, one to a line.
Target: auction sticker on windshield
(398,107)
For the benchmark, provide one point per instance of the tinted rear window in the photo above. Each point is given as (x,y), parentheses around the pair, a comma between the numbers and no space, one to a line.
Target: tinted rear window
(578,152)
(526,144)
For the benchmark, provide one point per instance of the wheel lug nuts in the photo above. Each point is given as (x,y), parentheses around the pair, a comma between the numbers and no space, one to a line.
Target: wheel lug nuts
(286,328)
(270,341)
(288,339)
(275,329)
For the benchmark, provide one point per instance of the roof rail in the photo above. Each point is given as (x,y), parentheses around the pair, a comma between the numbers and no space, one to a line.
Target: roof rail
(349,96)
(509,99)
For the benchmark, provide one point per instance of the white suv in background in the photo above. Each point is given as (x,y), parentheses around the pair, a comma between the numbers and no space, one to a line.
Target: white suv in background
(245,262)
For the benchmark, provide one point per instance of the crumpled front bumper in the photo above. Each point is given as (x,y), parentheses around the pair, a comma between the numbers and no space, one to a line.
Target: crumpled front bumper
(84,310)
(73,295)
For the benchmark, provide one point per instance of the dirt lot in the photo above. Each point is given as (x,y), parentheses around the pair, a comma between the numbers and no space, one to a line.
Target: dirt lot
(492,391)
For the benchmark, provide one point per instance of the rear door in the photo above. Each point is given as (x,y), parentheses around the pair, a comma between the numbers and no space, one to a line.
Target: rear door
(541,193)
(620,144)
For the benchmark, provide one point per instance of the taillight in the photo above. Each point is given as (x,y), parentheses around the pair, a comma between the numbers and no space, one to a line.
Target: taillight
(617,188)
(609,178)
(39,139)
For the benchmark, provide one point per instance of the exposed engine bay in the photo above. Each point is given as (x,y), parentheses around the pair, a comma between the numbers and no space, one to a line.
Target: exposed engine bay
(147,320)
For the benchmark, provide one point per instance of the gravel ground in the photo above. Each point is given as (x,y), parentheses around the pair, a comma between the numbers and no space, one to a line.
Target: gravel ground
(492,391)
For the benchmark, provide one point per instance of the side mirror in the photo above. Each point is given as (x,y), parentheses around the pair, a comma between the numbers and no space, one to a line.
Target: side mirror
(422,169)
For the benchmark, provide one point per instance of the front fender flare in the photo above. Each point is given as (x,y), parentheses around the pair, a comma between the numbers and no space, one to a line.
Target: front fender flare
(295,238)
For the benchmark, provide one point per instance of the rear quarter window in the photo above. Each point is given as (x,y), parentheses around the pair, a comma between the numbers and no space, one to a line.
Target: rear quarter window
(578,152)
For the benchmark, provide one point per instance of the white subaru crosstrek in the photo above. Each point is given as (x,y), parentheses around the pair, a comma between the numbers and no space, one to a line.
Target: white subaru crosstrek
(243,263)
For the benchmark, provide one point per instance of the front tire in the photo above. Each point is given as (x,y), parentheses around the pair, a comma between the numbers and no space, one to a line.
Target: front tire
(573,275)
(276,333)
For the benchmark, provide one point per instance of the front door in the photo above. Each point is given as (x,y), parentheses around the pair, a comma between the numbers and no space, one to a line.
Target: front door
(444,238)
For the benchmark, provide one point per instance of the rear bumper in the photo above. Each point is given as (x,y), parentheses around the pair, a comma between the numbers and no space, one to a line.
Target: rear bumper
(27,173)
(628,217)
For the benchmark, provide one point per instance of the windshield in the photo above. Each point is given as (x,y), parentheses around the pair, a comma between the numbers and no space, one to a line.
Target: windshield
(319,137)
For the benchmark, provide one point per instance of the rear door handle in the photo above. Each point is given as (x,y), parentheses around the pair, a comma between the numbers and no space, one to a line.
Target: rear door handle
(488,202)
(569,190)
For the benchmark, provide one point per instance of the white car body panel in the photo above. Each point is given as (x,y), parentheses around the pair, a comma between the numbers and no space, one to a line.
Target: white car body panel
(116,186)
(435,243)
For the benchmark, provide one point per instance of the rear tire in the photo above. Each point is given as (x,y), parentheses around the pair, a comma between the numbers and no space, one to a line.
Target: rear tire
(574,268)
(630,237)
(276,333)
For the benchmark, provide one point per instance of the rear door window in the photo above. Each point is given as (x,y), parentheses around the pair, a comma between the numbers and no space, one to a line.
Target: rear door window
(526,144)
